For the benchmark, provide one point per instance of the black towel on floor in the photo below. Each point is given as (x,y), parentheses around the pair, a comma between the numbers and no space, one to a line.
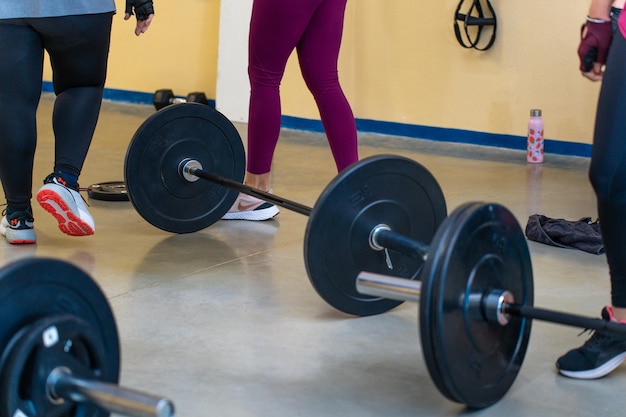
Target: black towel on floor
(583,234)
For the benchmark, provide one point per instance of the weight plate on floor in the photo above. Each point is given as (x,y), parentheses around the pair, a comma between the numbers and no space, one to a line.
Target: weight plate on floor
(390,190)
(155,185)
(108,191)
(34,289)
(479,247)
(51,343)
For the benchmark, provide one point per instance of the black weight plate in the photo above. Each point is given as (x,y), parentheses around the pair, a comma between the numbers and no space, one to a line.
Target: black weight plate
(479,247)
(52,342)
(108,191)
(383,189)
(36,288)
(156,188)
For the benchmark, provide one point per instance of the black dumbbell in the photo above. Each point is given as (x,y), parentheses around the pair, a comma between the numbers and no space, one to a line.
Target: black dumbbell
(165,97)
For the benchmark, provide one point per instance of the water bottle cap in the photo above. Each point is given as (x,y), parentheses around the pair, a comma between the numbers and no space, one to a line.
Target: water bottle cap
(535,113)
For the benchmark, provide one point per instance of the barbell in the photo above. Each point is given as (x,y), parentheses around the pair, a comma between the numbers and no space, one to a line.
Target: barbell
(366,204)
(59,346)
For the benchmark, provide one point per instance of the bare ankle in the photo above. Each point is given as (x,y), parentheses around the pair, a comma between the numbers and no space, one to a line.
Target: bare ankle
(258,181)
(619,313)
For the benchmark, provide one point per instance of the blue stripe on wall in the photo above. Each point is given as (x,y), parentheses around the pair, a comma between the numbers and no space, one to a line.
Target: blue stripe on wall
(445,135)
(389,128)
(124,96)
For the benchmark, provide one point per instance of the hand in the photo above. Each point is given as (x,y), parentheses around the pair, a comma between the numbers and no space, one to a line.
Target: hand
(144,9)
(594,48)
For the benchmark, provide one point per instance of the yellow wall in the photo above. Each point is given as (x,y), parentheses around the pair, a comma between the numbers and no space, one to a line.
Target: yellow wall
(179,51)
(400,62)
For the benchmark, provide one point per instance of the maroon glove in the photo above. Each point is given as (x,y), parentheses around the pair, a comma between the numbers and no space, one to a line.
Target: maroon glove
(594,44)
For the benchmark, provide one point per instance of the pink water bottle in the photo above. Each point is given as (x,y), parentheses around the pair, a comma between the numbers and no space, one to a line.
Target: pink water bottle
(535,138)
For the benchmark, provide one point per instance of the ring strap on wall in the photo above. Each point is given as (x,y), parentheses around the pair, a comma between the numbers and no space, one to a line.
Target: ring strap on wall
(475,20)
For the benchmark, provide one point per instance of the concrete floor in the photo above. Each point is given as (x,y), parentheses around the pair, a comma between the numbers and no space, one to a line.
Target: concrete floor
(224,321)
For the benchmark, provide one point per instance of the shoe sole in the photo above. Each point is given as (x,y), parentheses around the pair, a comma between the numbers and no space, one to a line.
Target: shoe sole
(16,241)
(253,215)
(602,370)
(69,222)
(21,241)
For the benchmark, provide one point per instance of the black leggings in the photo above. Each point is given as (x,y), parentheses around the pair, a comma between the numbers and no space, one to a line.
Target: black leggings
(78,47)
(608,167)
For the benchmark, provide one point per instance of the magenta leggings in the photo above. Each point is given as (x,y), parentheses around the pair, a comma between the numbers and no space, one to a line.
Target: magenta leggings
(314,28)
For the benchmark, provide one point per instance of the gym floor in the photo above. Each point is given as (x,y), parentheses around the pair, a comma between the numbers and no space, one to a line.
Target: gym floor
(224,321)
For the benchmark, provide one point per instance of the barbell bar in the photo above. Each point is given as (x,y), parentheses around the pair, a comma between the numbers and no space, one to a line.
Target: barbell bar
(379,200)
(191,170)
(476,303)
(59,347)
(381,237)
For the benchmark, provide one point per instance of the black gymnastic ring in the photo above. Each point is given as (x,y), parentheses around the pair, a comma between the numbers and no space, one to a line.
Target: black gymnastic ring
(480,21)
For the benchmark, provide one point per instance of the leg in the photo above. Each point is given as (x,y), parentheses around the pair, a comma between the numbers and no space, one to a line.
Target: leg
(275,28)
(608,171)
(78,48)
(21,66)
(318,53)
(604,352)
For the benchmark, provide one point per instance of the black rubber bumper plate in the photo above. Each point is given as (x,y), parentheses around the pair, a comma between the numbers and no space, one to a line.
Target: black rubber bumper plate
(390,190)
(478,248)
(53,314)
(152,168)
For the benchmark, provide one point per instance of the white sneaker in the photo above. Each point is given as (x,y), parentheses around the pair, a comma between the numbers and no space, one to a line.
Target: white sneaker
(67,206)
(247,207)
(18,227)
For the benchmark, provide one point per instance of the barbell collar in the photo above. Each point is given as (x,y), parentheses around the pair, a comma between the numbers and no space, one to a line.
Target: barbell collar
(374,242)
(254,192)
(62,385)
(382,237)
(185,168)
(493,305)
(377,285)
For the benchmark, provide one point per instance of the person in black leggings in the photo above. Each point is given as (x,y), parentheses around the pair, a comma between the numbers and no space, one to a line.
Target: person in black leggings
(78,46)
(604,352)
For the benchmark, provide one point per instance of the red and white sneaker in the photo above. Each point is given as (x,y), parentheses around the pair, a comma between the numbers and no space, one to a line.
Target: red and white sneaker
(67,206)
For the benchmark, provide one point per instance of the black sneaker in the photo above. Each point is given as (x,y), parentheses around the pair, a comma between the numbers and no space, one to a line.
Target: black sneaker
(599,356)
(17,228)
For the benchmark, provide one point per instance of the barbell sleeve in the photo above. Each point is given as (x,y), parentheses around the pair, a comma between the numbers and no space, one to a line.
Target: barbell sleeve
(61,384)
(377,285)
